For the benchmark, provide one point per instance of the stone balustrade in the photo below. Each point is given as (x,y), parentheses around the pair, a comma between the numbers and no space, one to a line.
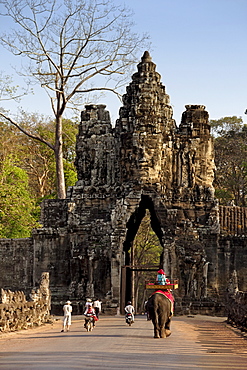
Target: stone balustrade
(17,313)
(237,309)
(233,220)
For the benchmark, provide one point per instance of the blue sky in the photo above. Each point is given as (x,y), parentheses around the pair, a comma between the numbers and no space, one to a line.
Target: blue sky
(199,47)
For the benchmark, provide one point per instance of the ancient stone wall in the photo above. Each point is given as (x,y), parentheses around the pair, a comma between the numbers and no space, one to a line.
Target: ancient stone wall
(232,257)
(54,213)
(145,163)
(16,264)
(16,312)
(236,310)
(51,252)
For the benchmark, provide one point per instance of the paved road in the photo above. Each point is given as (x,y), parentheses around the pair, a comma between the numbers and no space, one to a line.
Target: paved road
(196,343)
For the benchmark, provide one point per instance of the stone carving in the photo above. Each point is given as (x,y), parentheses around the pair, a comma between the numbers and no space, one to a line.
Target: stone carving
(205,279)
(233,283)
(236,310)
(145,162)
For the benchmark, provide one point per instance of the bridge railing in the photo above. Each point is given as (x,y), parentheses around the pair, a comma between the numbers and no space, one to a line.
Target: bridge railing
(16,312)
(233,220)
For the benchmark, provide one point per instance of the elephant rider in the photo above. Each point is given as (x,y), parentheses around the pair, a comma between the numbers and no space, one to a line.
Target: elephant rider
(161,277)
(129,309)
(90,312)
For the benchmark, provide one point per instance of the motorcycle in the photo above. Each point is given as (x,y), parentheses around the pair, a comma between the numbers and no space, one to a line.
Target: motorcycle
(89,323)
(129,318)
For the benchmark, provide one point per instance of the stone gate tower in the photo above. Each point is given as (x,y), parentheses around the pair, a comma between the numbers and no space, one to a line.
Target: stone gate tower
(145,163)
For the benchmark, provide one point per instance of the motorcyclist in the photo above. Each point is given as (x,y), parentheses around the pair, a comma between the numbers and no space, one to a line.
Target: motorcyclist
(129,309)
(90,312)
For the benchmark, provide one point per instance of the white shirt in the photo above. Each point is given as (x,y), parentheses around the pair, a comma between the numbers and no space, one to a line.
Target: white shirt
(129,309)
(67,309)
(97,304)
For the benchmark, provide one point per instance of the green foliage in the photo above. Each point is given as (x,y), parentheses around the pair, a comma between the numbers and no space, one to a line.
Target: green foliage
(33,174)
(231,160)
(225,196)
(70,174)
(147,251)
(38,160)
(226,125)
(7,91)
(147,248)
(70,130)
(16,205)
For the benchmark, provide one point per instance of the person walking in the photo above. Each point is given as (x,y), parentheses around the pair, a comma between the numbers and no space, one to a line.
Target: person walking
(97,307)
(67,309)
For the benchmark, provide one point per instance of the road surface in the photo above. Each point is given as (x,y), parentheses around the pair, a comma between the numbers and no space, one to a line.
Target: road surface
(198,342)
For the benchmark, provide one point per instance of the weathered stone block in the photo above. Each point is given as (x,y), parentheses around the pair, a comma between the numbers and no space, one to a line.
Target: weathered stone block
(17,313)
(143,163)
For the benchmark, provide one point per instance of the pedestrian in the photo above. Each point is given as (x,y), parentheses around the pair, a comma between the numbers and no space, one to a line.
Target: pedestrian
(67,309)
(97,306)
(146,310)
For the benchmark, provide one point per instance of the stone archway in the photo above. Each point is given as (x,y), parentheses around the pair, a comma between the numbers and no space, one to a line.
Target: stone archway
(183,254)
(144,162)
(130,266)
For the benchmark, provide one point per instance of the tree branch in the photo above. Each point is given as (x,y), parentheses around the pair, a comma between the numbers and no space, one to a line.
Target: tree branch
(29,134)
(100,89)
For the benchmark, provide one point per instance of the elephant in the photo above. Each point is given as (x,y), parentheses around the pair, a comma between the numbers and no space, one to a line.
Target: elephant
(159,310)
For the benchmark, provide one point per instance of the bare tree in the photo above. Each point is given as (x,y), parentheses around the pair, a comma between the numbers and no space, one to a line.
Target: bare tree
(8,91)
(70,43)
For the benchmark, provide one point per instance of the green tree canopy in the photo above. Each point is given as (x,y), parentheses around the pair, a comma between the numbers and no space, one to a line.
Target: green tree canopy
(225,125)
(27,172)
(147,248)
(231,160)
(35,157)
(146,252)
(16,204)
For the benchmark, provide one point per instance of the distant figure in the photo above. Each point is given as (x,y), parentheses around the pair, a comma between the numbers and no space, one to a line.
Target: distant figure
(129,309)
(88,302)
(161,277)
(146,310)
(97,307)
(67,309)
(90,312)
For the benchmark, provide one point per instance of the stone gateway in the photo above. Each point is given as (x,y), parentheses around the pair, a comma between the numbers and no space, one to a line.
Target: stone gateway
(143,163)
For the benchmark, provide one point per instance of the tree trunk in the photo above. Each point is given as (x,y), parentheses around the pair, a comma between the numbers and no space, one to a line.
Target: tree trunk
(61,191)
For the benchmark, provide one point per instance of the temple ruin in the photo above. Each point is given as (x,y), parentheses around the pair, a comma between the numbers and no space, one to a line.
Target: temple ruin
(19,312)
(146,162)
